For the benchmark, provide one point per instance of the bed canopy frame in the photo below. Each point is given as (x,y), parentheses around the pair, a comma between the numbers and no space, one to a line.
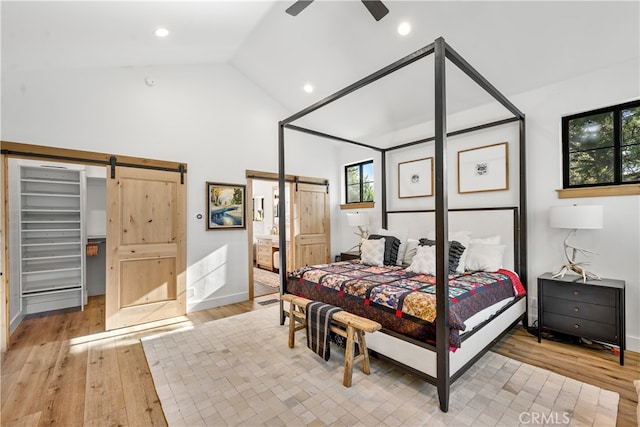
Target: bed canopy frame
(441,51)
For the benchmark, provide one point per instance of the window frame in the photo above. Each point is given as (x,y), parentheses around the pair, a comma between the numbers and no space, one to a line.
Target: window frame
(616,110)
(360,166)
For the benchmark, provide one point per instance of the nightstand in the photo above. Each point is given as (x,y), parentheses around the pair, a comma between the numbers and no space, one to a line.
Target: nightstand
(593,309)
(344,256)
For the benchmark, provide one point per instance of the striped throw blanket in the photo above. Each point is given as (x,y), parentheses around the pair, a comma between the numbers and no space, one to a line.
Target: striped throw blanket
(318,318)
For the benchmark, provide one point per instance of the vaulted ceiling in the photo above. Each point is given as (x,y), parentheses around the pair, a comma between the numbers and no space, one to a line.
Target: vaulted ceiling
(516,45)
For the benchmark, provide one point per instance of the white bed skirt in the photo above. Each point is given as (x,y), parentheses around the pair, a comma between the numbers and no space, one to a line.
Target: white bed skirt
(424,360)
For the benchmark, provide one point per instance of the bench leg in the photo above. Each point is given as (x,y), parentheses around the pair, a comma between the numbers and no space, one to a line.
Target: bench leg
(366,368)
(292,325)
(348,357)
(296,321)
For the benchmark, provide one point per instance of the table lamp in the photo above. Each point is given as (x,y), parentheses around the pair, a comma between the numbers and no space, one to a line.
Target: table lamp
(576,218)
(360,220)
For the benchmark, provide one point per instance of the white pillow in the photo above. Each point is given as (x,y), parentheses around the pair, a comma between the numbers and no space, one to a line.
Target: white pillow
(400,235)
(410,252)
(463,237)
(482,257)
(425,261)
(490,240)
(372,252)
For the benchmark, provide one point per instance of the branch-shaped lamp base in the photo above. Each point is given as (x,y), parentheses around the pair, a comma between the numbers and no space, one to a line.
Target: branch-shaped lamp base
(363,233)
(577,269)
(571,265)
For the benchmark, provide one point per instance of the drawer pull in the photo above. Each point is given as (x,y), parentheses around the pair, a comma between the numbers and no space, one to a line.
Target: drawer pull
(576,292)
(576,309)
(576,326)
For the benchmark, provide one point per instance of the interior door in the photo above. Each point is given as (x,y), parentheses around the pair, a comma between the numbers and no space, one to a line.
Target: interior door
(146,247)
(312,224)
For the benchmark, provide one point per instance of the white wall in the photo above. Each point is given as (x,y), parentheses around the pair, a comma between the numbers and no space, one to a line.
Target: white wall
(208,116)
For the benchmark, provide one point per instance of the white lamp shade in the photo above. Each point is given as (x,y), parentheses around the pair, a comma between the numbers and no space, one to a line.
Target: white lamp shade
(576,217)
(358,219)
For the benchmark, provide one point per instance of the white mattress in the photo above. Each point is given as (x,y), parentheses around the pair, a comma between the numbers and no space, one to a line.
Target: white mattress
(475,320)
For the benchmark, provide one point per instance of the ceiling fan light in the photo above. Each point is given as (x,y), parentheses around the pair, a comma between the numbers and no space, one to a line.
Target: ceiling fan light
(161,32)
(404,28)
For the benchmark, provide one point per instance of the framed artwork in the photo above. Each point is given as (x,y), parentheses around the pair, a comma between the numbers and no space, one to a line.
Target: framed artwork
(226,207)
(483,169)
(415,178)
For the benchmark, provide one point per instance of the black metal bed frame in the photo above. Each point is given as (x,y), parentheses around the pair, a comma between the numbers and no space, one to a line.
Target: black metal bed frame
(441,51)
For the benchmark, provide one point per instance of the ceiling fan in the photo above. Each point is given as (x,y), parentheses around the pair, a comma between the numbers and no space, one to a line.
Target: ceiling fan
(375,7)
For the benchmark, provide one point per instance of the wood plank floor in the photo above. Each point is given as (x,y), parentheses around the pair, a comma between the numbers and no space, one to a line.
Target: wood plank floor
(64,369)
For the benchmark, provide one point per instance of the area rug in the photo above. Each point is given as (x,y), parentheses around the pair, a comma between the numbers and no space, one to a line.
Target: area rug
(266,277)
(260,290)
(240,371)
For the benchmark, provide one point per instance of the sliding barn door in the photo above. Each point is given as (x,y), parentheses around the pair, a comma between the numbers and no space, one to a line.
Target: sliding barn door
(146,247)
(312,231)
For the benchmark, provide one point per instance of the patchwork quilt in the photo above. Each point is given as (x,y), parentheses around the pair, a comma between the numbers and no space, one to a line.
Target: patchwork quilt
(402,301)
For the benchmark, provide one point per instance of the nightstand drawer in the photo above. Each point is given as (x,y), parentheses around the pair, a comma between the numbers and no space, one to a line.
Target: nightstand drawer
(579,292)
(581,327)
(579,309)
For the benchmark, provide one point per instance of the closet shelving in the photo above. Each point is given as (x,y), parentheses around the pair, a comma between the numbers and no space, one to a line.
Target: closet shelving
(52,237)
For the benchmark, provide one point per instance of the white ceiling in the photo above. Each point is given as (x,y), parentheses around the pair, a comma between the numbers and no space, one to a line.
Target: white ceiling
(516,45)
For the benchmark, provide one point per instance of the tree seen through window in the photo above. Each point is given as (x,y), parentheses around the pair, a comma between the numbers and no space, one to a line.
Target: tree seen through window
(602,147)
(359,182)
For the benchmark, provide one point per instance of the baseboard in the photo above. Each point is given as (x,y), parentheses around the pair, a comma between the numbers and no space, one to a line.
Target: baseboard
(217,302)
(633,344)
(15,322)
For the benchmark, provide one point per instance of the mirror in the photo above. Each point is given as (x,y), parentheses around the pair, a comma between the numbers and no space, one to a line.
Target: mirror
(258,208)
(276,205)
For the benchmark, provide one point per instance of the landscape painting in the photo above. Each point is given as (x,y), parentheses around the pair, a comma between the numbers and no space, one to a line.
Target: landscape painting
(226,206)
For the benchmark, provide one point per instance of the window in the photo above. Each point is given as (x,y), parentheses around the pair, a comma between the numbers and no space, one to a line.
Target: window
(602,147)
(359,182)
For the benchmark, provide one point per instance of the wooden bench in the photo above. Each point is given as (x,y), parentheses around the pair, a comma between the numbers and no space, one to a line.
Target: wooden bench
(343,323)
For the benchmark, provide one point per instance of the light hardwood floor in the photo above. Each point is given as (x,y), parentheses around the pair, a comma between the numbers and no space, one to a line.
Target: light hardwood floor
(63,369)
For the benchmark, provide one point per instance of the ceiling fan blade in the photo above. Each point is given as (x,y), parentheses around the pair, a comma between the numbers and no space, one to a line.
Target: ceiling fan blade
(376,8)
(298,7)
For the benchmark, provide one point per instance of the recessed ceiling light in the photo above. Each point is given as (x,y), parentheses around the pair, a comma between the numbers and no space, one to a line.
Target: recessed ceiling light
(308,88)
(404,28)
(162,32)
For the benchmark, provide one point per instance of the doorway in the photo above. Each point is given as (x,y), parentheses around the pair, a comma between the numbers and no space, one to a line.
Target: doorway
(264,236)
(172,257)
(307,220)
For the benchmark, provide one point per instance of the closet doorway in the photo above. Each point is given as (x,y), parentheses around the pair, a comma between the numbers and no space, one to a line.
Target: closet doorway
(307,222)
(163,295)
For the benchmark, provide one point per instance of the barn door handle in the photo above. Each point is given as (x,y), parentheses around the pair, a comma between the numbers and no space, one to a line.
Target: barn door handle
(112,162)
(182,171)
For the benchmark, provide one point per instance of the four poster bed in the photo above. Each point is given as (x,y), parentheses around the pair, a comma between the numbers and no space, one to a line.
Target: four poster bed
(435,323)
